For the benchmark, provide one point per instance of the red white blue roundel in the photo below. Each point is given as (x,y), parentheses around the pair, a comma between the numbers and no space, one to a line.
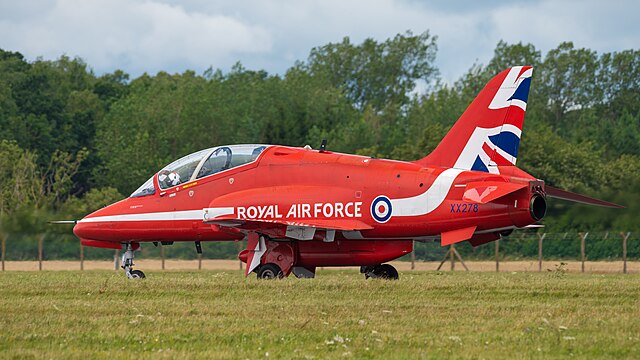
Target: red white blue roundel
(381,209)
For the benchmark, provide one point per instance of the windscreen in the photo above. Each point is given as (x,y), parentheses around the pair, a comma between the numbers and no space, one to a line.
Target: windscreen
(227,157)
(180,171)
(146,189)
(217,159)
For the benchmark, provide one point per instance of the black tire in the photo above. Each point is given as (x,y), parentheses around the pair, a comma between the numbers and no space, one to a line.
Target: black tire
(505,233)
(269,271)
(137,274)
(367,271)
(386,271)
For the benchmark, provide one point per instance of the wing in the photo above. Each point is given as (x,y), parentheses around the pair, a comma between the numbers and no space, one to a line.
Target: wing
(323,230)
(298,230)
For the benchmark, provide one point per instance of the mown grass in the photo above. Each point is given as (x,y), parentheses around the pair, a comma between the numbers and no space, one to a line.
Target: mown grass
(100,314)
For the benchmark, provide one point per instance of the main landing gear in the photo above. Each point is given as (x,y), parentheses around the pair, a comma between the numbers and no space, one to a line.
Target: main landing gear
(269,271)
(384,271)
(127,264)
(273,259)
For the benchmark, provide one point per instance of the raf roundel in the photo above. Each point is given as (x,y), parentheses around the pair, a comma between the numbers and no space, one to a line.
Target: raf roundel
(381,209)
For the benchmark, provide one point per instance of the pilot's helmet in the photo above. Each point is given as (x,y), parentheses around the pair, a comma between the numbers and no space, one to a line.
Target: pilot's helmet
(170,178)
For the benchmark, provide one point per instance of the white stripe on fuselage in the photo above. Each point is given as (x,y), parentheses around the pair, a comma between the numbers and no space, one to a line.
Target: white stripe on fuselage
(429,200)
(412,206)
(163,216)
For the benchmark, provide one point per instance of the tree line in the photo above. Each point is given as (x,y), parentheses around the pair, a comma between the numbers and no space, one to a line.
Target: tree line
(72,141)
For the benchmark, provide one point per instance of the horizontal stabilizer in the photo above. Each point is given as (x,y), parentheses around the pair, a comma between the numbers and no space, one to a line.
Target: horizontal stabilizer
(63,221)
(456,236)
(482,192)
(583,199)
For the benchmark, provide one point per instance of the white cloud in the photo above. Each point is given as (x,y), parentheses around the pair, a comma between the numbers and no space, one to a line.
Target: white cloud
(174,35)
(600,26)
(135,35)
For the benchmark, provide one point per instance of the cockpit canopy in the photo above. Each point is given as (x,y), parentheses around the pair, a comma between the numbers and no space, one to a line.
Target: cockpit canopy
(201,164)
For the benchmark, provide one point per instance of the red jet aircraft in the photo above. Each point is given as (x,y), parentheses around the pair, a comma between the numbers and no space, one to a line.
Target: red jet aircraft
(301,208)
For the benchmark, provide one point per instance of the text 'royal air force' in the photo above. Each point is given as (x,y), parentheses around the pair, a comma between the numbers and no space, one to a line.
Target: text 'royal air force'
(303,210)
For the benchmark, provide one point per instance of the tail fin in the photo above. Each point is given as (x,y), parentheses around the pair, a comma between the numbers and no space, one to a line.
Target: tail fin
(487,134)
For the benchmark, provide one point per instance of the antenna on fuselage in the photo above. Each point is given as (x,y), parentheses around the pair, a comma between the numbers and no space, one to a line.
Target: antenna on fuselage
(323,145)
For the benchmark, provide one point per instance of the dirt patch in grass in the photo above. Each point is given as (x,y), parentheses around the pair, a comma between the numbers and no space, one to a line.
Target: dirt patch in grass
(403,266)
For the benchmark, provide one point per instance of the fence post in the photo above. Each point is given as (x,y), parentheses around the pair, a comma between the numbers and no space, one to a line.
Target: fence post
(540,238)
(413,255)
(453,259)
(498,255)
(4,248)
(81,257)
(624,251)
(116,259)
(40,246)
(583,237)
(162,254)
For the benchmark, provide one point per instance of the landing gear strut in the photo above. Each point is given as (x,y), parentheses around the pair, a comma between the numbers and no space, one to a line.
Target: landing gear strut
(384,271)
(127,264)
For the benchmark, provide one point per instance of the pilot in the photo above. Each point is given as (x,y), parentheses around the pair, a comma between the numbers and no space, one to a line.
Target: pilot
(168,178)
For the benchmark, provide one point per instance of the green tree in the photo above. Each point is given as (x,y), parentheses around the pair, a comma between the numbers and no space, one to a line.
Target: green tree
(376,74)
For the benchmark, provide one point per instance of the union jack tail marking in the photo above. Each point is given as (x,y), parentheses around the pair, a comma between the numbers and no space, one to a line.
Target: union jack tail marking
(488,134)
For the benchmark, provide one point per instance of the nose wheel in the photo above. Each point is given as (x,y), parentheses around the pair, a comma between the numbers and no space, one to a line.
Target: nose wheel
(137,274)
(127,264)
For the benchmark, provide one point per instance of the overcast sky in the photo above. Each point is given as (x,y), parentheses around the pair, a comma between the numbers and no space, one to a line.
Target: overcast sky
(148,36)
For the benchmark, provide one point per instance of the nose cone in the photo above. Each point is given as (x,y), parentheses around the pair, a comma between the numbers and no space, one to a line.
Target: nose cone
(81,230)
(98,225)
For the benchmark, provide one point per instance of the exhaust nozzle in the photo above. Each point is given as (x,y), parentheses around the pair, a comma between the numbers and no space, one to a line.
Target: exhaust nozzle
(537,207)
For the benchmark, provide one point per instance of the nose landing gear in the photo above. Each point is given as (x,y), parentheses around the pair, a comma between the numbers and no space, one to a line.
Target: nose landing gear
(127,264)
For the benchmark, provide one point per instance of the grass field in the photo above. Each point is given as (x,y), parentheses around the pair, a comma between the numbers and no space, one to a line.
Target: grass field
(215,314)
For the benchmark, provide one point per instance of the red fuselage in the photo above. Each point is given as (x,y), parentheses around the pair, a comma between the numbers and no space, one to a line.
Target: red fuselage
(295,185)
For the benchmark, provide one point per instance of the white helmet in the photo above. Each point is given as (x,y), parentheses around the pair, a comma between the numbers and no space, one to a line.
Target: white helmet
(171,178)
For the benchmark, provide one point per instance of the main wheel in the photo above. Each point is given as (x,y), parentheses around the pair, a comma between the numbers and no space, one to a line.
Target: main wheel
(367,271)
(269,271)
(137,274)
(385,271)
(505,233)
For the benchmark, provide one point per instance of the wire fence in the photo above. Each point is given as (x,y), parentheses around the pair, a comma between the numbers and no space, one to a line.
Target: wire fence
(605,248)
(530,246)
